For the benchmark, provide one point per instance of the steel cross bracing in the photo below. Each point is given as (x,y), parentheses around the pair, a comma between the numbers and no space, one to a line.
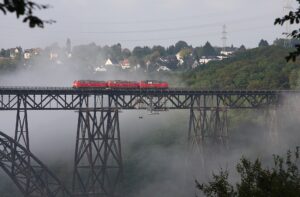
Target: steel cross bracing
(98,159)
(69,98)
(14,161)
(22,134)
(208,127)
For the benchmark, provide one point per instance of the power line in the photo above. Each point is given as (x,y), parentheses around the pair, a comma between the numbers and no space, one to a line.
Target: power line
(194,35)
(173,19)
(182,28)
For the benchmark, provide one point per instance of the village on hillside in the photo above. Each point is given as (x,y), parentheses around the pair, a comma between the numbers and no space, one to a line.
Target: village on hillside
(104,59)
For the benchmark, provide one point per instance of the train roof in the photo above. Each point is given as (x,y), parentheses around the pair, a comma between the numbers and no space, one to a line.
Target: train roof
(153,81)
(123,81)
(91,81)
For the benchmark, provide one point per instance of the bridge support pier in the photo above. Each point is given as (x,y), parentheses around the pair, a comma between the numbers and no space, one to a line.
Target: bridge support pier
(98,159)
(22,137)
(21,130)
(208,127)
(272,125)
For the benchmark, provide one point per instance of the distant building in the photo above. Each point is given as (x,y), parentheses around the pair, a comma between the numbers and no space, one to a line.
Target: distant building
(170,62)
(137,67)
(125,64)
(111,62)
(14,52)
(226,53)
(100,69)
(29,53)
(53,56)
(205,60)
(163,68)
(179,58)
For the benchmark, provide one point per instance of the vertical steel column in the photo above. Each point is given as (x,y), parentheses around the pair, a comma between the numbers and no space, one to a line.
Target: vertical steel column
(196,132)
(21,129)
(208,125)
(272,125)
(98,158)
(220,126)
(22,136)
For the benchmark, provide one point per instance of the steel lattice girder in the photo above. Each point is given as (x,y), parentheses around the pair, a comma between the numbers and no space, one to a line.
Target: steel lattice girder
(42,182)
(98,158)
(69,99)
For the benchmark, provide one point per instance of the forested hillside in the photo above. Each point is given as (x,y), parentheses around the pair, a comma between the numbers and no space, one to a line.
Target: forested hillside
(255,69)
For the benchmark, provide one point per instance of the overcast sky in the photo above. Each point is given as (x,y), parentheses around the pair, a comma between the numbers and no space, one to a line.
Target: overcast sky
(148,22)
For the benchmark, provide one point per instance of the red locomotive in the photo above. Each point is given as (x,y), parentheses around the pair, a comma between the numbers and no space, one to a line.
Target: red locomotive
(148,84)
(122,84)
(153,84)
(89,84)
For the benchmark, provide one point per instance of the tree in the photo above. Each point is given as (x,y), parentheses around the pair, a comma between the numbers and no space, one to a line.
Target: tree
(171,50)
(126,53)
(141,52)
(281,180)
(292,18)
(117,51)
(208,50)
(242,48)
(186,52)
(25,8)
(180,45)
(263,43)
(160,49)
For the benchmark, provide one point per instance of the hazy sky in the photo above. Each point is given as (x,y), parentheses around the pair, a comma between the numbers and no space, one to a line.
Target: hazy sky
(148,22)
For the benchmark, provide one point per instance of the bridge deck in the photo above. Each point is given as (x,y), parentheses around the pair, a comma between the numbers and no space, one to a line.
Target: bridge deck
(68,98)
(177,91)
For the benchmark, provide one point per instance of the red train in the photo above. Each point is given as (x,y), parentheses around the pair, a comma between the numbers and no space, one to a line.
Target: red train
(148,84)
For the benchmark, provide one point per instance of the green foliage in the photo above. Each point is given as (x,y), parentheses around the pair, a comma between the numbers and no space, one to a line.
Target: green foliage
(141,51)
(219,187)
(8,65)
(89,54)
(160,49)
(293,18)
(254,69)
(208,50)
(180,45)
(25,8)
(263,43)
(283,179)
(185,52)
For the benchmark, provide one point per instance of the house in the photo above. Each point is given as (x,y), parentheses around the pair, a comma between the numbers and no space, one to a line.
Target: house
(137,67)
(111,62)
(205,60)
(100,69)
(179,58)
(163,68)
(226,53)
(14,52)
(53,56)
(125,64)
(28,53)
(170,62)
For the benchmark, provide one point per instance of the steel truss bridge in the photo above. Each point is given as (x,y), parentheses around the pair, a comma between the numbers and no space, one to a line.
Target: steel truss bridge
(98,156)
